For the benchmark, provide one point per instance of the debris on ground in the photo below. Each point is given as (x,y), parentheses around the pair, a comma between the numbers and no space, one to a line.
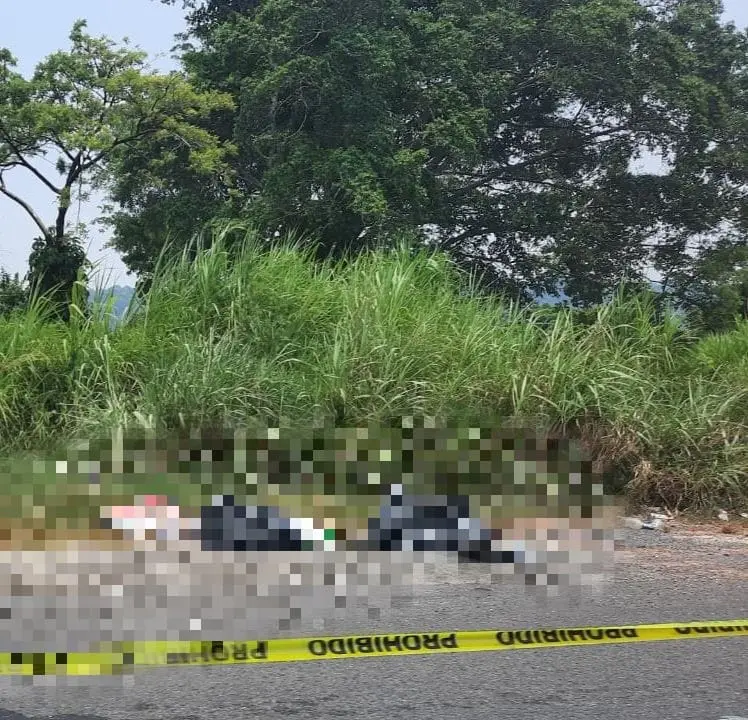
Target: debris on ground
(656,519)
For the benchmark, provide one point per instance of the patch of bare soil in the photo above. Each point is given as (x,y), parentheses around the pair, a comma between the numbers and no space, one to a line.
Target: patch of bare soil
(15,537)
(702,550)
(704,529)
(692,565)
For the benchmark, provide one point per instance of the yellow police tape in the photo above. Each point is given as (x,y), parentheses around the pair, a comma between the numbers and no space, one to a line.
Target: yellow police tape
(122,658)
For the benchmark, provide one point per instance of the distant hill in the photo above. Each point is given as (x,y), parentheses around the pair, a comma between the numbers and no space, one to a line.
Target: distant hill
(121,294)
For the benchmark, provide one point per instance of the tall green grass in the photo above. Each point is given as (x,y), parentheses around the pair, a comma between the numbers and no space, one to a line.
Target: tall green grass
(241,332)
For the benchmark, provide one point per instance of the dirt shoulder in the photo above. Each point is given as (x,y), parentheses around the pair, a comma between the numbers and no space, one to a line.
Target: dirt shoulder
(682,543)
(688,549)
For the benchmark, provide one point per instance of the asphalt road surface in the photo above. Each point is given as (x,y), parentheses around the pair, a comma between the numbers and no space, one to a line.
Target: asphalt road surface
(657,578)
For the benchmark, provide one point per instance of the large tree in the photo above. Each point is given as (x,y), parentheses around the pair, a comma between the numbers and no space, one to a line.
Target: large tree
(88,106)
(503,130)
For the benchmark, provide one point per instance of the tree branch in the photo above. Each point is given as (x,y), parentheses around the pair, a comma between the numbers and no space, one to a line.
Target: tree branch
(29,210)
(25,163)
(61,146)
(101,155)
(499,174)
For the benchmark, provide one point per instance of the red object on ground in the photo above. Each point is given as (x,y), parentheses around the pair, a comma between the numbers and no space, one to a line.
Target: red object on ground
(155,500)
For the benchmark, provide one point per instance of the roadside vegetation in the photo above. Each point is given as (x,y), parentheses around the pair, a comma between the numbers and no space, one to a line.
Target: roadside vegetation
(378,190)
(245,335)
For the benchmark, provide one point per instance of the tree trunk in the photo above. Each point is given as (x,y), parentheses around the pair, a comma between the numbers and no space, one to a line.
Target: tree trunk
(62,211)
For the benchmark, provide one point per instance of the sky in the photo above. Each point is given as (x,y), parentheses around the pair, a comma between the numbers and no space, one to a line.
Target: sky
(149,25)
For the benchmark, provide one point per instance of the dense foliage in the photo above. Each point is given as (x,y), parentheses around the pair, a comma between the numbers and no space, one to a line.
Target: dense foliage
(509,136)
(508,132)
(14,294)
(249,337)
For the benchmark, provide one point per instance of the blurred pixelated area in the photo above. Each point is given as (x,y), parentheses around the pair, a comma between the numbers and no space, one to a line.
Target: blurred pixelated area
(336,473)
(114,527)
